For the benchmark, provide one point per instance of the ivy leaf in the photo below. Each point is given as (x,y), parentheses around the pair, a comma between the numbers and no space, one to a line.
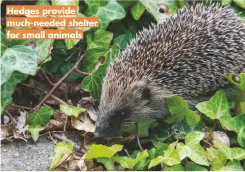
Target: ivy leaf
(232,166)
(107,163)
(107,13)
(241,137)
(179,110)
(171,157)
(218,159)
(70,110)
(61,152)
(193,149)
(18,58)
(154,6)
(42,117)
(237,80)
(8,88)
(93,83)
(177,167)
(5,44)
(97,151)
(34,130)
(240,3)
(65,2)
(101,38)
(43,49)
(217,107)
(181,129)
(4,103)
(190,166)
(231,153)
(137,10)
(128,162)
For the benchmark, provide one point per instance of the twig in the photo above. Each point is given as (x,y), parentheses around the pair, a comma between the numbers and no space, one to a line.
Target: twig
(50,82)
(9,114)
(81,72)
(45,92)
(126,151)
(138,141)
(19,106)
(60,81)
(52,137)
(65,139)
(64,129)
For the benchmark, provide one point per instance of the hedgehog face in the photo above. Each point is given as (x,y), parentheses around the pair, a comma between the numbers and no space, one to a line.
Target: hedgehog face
(127,107)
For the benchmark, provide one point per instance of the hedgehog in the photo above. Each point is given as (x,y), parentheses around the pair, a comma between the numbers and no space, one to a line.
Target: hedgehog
(185,55)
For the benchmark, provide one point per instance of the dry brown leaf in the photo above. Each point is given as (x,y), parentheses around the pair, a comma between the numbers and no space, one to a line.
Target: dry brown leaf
(6,131)
(83,122)
(91,112)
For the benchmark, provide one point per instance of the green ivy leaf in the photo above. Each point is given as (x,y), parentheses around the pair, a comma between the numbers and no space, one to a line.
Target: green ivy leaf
(217,107)
(70,110)
(137,10)
(237,80)
(181,129)
(190,166)
(5,44)
(171,157)
(128,162)
(93,83)
(107,163)
(61,152)
(101,38)
(65,2)
(177,167)
(240,3)
(179,110)
(42,2)
(40,118)
(18,58)
(43,49)
(193,149)
(231,153)
(34,130)
(233,166)
(97,151)
(218,159)
(107,13)
(153,7)
(241,137)
(4,103)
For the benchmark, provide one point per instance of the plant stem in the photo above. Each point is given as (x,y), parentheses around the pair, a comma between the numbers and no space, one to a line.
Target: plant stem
(59,82)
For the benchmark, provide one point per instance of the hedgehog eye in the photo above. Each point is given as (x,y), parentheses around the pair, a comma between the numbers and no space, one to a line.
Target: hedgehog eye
(146,93)
(123,113)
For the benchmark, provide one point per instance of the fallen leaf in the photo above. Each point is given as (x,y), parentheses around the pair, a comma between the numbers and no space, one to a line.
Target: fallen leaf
(85,124)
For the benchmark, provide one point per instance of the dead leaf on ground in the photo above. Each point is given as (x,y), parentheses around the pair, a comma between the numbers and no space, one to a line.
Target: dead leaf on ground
(83,122)
(7,131)
(91,112)
(21,126)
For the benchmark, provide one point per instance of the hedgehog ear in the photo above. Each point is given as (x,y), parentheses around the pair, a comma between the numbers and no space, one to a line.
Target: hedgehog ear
(146,93)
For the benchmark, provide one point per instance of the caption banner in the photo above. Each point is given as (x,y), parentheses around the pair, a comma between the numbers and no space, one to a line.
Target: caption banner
(46,22)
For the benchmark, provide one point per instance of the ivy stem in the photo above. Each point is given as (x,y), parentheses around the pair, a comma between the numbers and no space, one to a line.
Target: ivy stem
(53,96)
(236,110)
(59,82)
(49,81)
(81,72)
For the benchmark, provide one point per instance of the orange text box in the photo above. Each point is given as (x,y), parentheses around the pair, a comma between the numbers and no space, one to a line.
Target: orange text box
(44,34)
(52,22)
(42,10)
